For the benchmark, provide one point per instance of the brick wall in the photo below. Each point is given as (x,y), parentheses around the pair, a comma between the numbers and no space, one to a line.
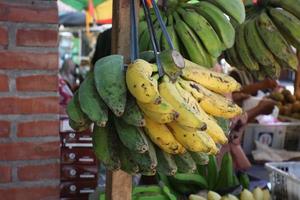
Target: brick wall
(29,107)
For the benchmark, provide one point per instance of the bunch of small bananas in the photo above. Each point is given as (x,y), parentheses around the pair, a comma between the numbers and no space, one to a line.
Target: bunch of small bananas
(264,40)
(256,194)
(200,30)
(163,125)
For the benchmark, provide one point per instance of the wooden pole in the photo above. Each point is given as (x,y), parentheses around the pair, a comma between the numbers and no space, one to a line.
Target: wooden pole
(297,79)
(119,183)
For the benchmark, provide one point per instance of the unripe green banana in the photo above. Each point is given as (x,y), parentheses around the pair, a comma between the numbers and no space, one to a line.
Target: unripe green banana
(74,111)
(166,163)
(105,146)
(185,163)
(219,22)
(191,43)
(243,50)
(288,24)
(235,9)
(292,6)
(275,41)
(110,82)
(260,52)
(203,30)
(132,137)
(132,114)
(91,103)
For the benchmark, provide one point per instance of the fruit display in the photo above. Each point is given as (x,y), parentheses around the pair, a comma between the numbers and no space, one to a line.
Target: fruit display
(256,194)
(143,123)
(264,42)
(207,177)
(199,30)
(288,104)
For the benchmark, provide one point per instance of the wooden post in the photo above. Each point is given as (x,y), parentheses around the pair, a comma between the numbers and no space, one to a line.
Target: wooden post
(297,79)
(119,183)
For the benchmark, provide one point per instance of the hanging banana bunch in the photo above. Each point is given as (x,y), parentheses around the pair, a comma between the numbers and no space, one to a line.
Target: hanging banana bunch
(264,42)
(157,115)
(200,30)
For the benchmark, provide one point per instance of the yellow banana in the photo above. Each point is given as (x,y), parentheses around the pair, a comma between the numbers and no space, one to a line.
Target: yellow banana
(246,195)
(258,194)
(186,115)
(140,83)
(191,140)
(213,129)
(160,114)
(217,82)
(162,137)
(212,103)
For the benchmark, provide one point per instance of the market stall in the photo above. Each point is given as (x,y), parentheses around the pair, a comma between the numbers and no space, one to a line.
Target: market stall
(161,109)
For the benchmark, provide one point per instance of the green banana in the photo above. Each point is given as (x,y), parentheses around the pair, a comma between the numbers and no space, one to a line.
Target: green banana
(166,164)
(91,103)
(146,189)
(142,27)
(105,145)
(79,127)
(275,41)
(147,161)
(194,179)
(233,8)
(243,50)
(244,180)
(203,30)
(127,163)
(219,22)
(132,137)
(212,172)
(193,46)
(185,163)
(74,111)
(144,41)
(109,76)
(233,59)
(288,24)
(260,52)
(148,56)
(150,197)
(132,114)
(292,6)
(200,158)
(225,179)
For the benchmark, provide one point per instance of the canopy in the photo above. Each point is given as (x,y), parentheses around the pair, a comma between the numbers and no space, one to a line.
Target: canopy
(99,11)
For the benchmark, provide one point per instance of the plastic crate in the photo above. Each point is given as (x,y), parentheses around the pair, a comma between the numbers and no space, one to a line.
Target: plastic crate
(285,180)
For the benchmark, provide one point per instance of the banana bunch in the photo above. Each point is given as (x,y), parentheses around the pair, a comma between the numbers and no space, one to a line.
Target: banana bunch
(263,44)
(159,125)
(180,114)
(199,30)
(256,194)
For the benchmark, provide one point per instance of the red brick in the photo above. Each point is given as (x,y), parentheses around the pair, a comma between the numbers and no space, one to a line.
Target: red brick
(28,60)
(3,36)
(30,193)
(28,13)
(38,128)
(39,172)
(18,105)
(36,37)
(4,128)
(37,83)
(5,174)
(3,83)
(29,150)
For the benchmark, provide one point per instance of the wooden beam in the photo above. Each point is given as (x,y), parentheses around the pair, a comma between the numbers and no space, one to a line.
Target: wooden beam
(119,183)
(297,79)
